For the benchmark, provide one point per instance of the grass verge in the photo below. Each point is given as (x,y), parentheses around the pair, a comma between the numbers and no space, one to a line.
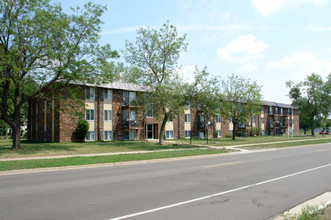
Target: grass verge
(72,161)
(35,149)
(288,144)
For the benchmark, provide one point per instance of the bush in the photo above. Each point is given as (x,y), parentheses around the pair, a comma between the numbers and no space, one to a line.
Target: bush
(82,129)
(228,135)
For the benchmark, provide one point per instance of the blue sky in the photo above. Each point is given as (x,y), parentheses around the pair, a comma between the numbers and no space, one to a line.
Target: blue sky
(269,41)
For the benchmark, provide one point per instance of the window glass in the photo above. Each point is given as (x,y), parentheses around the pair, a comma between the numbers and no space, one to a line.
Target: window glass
(187,133)
(89,114)
(108,94)
(188,118)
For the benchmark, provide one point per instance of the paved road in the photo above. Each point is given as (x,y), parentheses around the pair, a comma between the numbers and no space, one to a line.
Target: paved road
(239,186)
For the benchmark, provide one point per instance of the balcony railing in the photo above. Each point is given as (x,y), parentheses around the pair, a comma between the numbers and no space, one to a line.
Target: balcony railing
(133,123)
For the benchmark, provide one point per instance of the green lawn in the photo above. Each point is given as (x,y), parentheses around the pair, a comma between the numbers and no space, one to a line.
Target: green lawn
(35,149)
(250,140)
(40,163)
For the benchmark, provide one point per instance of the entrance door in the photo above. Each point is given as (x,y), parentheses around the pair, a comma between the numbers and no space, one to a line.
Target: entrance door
(149,131)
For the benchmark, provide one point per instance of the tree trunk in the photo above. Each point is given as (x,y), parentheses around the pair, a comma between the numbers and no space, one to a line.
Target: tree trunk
(234,131)
(312,125)
(162,128)
(305,131)
(16,138)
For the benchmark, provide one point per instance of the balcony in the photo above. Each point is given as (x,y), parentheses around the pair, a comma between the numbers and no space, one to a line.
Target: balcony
(133,124)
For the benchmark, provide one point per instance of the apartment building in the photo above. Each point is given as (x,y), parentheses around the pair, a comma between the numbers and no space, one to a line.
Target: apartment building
(113,114)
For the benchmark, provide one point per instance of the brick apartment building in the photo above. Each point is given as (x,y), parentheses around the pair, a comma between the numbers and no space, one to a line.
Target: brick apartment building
(112,114)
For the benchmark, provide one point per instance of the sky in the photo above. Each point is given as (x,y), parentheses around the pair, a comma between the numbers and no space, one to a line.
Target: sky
(267,41)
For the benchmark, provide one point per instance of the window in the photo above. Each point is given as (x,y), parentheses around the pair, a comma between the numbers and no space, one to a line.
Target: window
(149,111)
(108,135)
(90,136)
(292,122)
(230,120)
(281,111)
(254,120)
(187,133)
(276,110)
(133,122)
(126,119)
(202,135)
(132,135)
(108,115)
(129,98)
(219,133)
(188,118)
(262,120)
(108,94)
(262,109)
(262,132)
(170,134)
(90,114)
(201,119)
(218,119)
(270,110)
(270,122)
(89,92)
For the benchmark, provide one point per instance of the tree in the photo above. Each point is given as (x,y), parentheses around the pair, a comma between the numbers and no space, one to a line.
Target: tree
(82,129)
(42,49)
(155,55)
(308,96)
(203,93)
(240,99)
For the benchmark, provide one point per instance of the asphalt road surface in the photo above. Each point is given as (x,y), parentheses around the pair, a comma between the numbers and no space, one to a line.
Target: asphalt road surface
(253,186)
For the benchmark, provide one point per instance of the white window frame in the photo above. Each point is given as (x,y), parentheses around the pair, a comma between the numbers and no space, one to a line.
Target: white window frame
(170,134)
(218,119)
(108,135)
(90,136)
(89,92)
(90,114)
(187,118)
(108,94)
(108,115)
(219,133)
(187,133)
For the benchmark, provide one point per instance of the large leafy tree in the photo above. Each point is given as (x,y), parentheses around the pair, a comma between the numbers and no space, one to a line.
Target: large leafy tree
(203,93)
(309,96)
(154,57)
(43,49)
(240,99)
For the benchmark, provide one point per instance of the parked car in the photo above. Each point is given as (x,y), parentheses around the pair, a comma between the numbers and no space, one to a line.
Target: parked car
(324,132)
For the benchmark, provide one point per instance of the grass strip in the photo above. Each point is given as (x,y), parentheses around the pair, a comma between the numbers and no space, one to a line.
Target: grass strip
(72,161)
(288,144)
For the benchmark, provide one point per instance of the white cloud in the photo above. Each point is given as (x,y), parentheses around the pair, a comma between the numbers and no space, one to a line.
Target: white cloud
(248,68)
(244,48)
(267,7)
(313,28)
(188,72)
(298,65)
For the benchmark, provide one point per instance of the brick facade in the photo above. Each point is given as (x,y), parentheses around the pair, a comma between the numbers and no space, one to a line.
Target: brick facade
(55,124)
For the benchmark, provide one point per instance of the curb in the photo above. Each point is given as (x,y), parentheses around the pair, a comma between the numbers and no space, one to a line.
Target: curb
(321,201)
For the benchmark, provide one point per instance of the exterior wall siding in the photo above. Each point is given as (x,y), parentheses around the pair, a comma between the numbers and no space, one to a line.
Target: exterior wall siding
(52,124)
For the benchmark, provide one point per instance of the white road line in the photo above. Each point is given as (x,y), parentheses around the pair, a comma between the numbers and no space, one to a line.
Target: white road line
(217,194)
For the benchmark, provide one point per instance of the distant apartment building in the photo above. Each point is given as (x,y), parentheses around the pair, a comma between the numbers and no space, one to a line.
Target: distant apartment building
(113,114)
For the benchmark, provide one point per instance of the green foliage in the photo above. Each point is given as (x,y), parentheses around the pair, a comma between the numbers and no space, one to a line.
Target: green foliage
(312,96)
(228,135)
(307,213)
(154,64)
(42,49)
(82,129)
(240,99)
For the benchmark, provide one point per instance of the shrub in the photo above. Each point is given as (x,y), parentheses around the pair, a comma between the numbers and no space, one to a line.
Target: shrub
(82,129)
(228,135)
